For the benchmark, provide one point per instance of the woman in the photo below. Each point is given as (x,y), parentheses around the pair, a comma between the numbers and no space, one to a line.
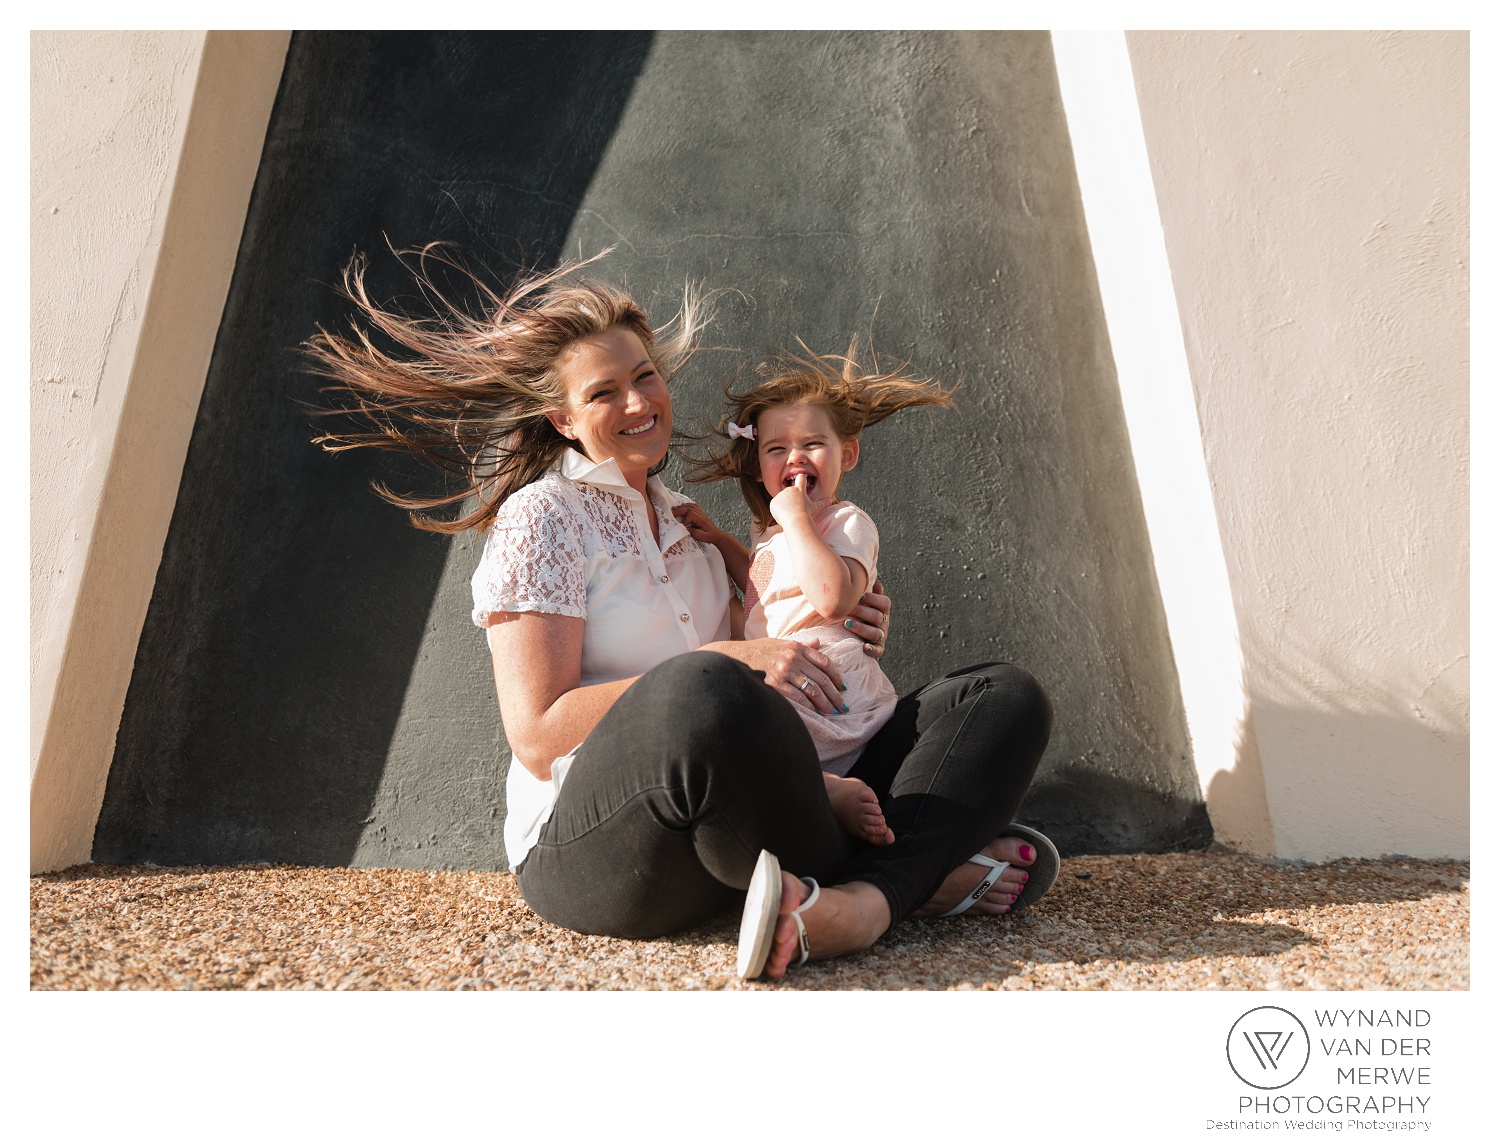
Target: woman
(655,754)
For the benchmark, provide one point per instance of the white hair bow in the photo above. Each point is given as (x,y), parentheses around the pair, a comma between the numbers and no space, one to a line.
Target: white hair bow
(738,433)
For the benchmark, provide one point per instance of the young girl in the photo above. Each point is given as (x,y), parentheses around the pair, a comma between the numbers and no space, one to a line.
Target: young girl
(790,440)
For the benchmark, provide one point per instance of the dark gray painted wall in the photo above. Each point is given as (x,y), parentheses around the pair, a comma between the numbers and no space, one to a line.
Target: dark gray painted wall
(308,687)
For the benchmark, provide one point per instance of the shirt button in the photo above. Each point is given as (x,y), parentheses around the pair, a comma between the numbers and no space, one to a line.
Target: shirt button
(664,578)
(684,617)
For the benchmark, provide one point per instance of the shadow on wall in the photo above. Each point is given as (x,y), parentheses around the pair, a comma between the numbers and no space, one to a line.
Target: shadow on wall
(1351,783)
(291,603)
(1360,774)
(1236,797)
(1169,821)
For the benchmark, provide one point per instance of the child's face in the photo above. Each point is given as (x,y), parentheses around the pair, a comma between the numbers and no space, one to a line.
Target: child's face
(798,439)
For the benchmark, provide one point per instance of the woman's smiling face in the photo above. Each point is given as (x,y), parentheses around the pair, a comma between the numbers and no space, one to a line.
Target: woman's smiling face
(798,439)
(617,404)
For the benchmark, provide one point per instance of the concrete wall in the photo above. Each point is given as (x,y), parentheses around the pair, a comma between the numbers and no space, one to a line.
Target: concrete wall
(1313,190)
(145,145)
(308,687)
(931,175)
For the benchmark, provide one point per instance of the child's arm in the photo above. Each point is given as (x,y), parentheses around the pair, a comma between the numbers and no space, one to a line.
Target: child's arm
(702,528)
(830,582)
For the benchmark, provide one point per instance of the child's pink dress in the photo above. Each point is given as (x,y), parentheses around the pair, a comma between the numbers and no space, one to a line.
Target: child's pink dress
(776,608)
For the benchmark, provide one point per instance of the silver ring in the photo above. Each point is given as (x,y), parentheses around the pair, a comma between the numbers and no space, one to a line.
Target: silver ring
(804,683)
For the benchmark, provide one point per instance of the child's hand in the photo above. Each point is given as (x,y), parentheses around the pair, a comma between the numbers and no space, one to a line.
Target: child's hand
(703,529)
(699,525)
(792,503)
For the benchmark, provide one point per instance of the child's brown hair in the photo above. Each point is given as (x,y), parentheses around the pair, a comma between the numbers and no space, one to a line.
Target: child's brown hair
(854,397)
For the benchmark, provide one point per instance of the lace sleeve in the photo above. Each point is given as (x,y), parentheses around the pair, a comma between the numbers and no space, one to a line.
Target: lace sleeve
(533,559)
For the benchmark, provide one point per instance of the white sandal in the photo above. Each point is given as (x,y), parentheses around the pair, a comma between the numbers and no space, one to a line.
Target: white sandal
(1041,873)
(989,881)
(758,921)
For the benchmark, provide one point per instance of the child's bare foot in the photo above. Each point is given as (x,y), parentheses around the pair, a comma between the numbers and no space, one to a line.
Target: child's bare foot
(965,878)
(848,917)
(858,809)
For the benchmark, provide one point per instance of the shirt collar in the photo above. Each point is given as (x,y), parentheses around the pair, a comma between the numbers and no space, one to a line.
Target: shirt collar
(580,469)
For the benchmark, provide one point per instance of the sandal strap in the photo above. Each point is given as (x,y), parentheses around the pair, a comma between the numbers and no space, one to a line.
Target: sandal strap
(812,898)
(984,885)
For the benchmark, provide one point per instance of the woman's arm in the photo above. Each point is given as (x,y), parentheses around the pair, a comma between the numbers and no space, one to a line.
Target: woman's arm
(545,711)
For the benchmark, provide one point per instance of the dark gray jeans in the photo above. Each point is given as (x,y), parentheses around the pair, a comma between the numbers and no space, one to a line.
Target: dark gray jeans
(700,765)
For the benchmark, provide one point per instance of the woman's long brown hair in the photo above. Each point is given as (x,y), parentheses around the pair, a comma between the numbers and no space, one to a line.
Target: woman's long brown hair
(469,393)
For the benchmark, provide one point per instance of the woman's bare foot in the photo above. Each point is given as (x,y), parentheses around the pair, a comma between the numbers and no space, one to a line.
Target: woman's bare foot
(858,809)
(846,918)
(966,877)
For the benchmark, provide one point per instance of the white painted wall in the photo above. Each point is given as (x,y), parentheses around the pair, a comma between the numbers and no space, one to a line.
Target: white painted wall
(1156,389)
(144,151)
(1313,195)
(108,116)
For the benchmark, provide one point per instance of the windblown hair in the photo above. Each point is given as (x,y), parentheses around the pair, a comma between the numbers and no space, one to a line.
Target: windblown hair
(469,393)
(855,396)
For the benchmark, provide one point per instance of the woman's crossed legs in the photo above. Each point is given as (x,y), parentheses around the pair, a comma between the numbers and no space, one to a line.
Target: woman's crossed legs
(699,765)
(696,768)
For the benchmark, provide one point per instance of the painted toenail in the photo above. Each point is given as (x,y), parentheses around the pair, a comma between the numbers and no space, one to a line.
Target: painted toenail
(1028,852)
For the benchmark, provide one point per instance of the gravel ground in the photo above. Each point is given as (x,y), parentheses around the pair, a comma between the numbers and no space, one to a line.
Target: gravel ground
(1194,921)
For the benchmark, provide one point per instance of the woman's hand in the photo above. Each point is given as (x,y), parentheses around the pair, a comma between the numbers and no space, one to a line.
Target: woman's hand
(796,670)
(871,620)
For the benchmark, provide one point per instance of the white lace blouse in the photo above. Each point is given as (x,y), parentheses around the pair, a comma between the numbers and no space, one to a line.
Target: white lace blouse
(578,542)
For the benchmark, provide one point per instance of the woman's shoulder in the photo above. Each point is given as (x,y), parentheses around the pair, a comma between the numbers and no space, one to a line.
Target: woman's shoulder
(553,495)
(540,523)
(672,495)
(534,555)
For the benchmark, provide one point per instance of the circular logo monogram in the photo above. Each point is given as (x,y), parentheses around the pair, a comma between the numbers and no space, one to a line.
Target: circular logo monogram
(1268,1047)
